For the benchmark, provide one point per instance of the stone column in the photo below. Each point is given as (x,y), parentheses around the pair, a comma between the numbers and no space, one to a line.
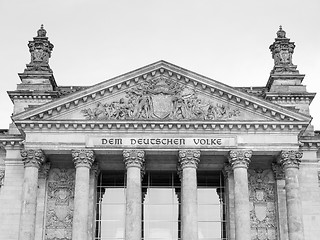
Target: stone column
(239,161)
(188,162)
(290,161)
(134,160)
(83,160)
(32,160)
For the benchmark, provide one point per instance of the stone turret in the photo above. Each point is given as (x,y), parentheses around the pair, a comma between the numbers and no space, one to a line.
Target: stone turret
(284,86)
(38,74)
(38,85)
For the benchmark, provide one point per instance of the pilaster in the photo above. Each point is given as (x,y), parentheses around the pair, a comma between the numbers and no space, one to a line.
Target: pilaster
(229,184)
(41,200)
(281,201)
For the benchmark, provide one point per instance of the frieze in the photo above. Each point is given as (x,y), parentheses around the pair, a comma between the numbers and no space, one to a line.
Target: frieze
(262,202)
(60,197)
(160,99)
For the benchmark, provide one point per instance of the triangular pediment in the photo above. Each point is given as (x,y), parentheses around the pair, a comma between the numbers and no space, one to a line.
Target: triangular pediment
(160,92)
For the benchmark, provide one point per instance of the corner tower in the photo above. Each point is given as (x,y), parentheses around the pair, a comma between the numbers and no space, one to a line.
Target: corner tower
(284,86)
(38,85)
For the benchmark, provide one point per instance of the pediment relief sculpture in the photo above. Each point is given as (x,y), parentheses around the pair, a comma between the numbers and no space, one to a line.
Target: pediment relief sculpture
(160,99)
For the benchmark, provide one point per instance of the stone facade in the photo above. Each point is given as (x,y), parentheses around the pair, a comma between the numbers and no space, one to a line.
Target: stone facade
(159,119)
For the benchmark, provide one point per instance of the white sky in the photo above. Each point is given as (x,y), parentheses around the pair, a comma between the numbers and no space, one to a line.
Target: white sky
(96,40)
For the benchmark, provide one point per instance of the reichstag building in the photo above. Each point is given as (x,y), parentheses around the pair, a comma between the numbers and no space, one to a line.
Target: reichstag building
(160,153)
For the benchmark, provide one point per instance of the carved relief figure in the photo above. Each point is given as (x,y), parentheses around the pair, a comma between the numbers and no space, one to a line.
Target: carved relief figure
(262,201)
(59,213)
(160,98)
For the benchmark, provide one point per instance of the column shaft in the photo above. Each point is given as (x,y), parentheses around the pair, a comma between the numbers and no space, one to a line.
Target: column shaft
(83,160)
(241,204)
(29,204)
(133,207)
(290,161)
(32,160)
(189,160)
(239,161)
(189,204)
(134,160)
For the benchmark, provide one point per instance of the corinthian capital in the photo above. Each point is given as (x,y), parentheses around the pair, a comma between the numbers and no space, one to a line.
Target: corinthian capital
(32,158)
(240,159)
(189,158)
(133,158)
(290,159)
(83,158)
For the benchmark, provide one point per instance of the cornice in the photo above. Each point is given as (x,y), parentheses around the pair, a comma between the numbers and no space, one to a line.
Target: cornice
(9,140)
(200,83)
(36,95)
(290,98)
(160,125)
(309,144)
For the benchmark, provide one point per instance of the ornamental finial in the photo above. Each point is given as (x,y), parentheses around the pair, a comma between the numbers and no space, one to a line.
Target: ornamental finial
(282,50)
(41,32)
(40,49)
(281,33)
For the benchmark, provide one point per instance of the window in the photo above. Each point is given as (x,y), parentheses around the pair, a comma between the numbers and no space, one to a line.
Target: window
(161,205)
(111,199)
(211,206)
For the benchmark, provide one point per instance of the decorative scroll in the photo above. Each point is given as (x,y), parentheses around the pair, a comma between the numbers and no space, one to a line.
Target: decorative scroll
(188,158)
(160,98)
(83,157)
(134,158)
(240,158)
(262,201)
(33,158)
(290,159)
(59,214)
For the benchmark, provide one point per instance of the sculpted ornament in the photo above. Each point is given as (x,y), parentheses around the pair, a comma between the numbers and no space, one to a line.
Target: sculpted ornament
(290,159)
(83,158)
(239,159)
(134,158)
(60,198)
(188,158)
(262,201)
(40,49)
(160,98)
(32,158)
(278,171)
(282,50)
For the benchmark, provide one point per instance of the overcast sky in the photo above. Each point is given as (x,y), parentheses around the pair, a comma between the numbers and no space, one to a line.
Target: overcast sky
(95,40)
